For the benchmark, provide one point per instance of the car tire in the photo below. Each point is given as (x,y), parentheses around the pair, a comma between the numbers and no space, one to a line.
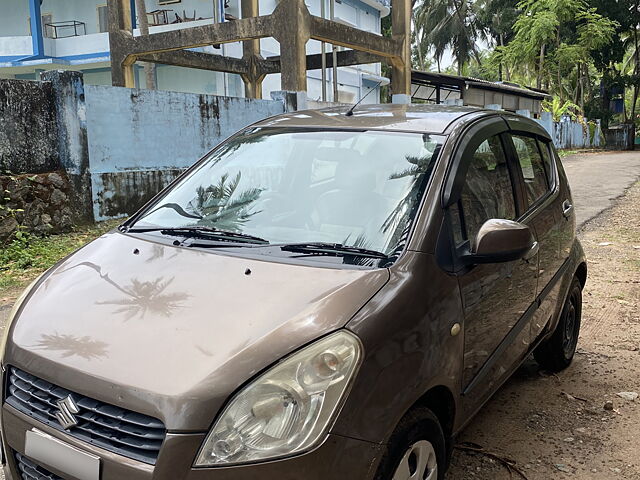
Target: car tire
(416,449)
(556,353)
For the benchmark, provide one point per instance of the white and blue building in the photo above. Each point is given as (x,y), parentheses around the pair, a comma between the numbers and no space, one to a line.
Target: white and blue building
(39,35)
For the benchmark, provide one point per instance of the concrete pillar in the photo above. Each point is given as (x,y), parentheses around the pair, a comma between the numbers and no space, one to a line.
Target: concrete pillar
(251,53)
(292,101)
(493,106)
(73,150)
(401,98)
(120,18)
(401,33)
(37,40)
(524,113)
(293,39)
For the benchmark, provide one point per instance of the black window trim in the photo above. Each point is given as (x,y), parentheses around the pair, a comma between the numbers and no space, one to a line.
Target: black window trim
(553,177)
(483,129)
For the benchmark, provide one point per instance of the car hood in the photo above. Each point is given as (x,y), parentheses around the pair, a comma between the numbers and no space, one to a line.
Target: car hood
(172,332)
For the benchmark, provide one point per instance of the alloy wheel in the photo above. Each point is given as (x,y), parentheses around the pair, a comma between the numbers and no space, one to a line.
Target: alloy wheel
(418,463)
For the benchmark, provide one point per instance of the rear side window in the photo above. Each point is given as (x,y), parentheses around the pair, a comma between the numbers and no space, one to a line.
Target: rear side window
(488,191)
(533,170)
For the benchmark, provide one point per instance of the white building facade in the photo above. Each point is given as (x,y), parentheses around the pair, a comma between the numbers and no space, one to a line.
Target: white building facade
(74,37)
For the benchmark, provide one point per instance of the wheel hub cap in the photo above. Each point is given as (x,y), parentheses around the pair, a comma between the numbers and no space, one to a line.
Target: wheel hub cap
(418,463)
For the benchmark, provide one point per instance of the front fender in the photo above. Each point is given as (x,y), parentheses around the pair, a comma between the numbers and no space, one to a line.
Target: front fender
(406,332)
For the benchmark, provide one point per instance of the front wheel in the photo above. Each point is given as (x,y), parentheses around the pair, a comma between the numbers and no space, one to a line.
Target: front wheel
(416,450)
(556,353)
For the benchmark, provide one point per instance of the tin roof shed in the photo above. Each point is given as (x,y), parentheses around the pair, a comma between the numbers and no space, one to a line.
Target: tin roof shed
(433,87)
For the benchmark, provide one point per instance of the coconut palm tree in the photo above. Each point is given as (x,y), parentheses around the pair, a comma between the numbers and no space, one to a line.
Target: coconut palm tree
(443,24)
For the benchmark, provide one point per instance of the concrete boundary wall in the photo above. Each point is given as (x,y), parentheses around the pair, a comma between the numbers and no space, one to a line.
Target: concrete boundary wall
(140,140)
(117,146)
(569,134)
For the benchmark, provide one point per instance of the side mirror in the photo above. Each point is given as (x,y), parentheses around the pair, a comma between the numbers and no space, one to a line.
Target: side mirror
(501,240)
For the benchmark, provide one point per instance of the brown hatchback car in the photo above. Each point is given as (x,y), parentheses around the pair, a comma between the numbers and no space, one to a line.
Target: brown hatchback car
(321,296)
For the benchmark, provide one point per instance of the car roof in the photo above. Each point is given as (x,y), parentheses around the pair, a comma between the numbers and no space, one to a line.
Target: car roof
(415,117)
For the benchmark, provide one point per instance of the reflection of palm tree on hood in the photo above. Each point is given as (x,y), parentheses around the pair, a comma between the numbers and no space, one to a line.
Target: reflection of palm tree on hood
(70,345)
(219,205)
(140,297)
(146,297)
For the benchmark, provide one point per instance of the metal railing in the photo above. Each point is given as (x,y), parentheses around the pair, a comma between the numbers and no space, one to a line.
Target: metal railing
(71,28)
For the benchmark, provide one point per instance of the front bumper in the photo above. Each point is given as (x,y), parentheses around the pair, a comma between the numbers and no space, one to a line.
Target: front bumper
(338,457)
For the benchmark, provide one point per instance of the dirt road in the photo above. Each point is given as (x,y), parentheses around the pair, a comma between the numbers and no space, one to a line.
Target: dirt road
(598,178)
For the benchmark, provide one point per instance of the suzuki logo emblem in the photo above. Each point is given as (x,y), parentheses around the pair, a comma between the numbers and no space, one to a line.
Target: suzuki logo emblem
(66,408)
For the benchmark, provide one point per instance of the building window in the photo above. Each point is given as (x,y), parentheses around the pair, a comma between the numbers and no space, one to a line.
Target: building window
(46,19)
(103,18)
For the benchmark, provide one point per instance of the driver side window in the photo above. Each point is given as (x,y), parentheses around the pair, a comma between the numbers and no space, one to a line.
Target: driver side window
(487,191)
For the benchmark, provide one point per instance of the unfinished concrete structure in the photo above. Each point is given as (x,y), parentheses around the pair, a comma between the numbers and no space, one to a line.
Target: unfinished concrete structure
(290,24)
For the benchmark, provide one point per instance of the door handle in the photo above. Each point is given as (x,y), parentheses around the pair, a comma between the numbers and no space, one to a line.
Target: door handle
(567,208)
(533,251)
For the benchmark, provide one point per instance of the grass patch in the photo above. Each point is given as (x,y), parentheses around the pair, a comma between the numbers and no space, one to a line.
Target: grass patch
(566,153)
(27,257)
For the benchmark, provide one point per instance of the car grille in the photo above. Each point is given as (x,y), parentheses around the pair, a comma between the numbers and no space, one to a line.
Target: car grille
(106,426)
(30,471)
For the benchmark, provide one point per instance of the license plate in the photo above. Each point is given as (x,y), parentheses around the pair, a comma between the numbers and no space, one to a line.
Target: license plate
(49,450)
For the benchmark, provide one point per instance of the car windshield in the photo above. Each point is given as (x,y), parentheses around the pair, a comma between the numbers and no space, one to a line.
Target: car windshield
(354,188)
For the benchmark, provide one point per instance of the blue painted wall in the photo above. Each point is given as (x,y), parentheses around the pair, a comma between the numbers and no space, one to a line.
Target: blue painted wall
(139,140)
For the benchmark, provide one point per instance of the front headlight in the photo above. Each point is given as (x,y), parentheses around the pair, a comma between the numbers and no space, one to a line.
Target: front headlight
(287,409)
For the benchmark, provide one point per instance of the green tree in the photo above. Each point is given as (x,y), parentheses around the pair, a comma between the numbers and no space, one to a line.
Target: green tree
(558,109)
(554,40)
(443,24)
(496,18)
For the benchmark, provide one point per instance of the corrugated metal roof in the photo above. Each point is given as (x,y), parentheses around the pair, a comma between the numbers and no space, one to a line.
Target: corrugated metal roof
(442,79)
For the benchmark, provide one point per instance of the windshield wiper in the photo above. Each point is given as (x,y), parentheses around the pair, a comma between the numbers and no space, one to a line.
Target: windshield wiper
(200,232)
(326,248)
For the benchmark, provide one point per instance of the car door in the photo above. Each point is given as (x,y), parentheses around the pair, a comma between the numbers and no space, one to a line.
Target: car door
(545,212)
(497,298)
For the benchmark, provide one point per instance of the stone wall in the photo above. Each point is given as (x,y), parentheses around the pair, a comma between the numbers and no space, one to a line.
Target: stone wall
(39,203)
(28,129)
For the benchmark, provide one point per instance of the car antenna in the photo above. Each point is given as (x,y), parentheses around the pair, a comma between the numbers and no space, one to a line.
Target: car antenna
(350,111)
